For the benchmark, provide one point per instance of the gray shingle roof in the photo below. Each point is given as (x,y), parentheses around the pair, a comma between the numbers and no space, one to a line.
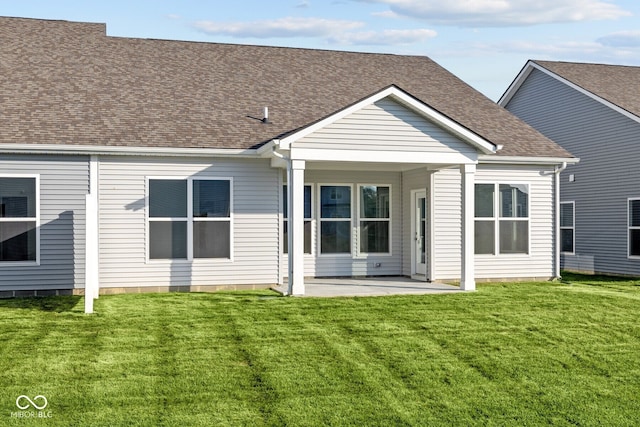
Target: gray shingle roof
(615,83)
(69,83)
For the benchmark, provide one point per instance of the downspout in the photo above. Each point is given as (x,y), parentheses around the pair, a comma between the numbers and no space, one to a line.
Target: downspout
(557,171)
(287,160)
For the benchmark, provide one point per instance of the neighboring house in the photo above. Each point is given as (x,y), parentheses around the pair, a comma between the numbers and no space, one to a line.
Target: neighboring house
(150,165)
(592,110)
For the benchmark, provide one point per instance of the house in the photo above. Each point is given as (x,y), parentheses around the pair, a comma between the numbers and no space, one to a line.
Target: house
(153,165)
(593,111)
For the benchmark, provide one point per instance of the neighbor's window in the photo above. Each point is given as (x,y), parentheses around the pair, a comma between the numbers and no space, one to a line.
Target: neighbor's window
(18,219)
(307,219)
(567,227)
(374,219)
(189,218)
(501,223)
(634,227)
(335,219)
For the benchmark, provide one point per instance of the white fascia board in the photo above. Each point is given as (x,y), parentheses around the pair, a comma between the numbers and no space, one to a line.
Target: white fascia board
(522,160)
(532,65)
(515,85)
(450,125)
(131,151)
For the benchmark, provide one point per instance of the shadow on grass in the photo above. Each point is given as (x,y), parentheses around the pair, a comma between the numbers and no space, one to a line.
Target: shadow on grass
(56,304)
(599,280)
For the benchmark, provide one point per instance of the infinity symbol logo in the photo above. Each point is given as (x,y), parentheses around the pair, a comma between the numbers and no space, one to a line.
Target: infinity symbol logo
(31,402)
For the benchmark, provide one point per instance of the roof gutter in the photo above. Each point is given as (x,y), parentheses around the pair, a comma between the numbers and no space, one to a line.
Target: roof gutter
(525,160)
(126,151)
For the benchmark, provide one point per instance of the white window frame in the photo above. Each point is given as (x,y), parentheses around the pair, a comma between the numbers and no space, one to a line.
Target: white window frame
(24,219)
(190,220)
(630,227)
(359,219)
(321,220)
(572,228)
(285,220)
(498,218)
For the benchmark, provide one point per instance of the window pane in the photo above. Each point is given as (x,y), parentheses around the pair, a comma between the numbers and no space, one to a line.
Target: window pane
(18,241)
(566,237)
(514,237)
(514,201)
(307,237)
(167,198)
(307,201)
(634,242)
(374,236)
(335,237)
(18,197)
(485,237)
(335,201)
(167,239)
(374,202)
(634,213)
(566,214)
(211,198)
(484,200)
(211,239)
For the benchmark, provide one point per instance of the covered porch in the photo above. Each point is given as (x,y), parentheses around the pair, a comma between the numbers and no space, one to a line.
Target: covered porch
(373,146)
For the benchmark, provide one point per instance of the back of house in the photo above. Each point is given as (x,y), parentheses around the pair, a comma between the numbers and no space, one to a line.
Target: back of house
(131,165)
(592,110)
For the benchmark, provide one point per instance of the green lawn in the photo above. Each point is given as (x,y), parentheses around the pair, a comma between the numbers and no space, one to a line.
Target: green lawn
(509,354)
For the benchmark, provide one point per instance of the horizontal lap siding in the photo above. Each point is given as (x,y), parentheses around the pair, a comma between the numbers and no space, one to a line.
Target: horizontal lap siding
(385,125)
(330,265)
(607,144)
(64,183)
(447,227)
(123,227)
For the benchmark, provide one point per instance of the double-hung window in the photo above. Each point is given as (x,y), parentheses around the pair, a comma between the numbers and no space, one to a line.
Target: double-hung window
(190,218)
(634,227)
(501,219)
(375,219)
(18,219)
(335,219)
(567,227)
(308,212)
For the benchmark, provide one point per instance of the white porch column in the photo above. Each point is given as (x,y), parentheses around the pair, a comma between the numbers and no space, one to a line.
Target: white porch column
(295,186)
(467,279)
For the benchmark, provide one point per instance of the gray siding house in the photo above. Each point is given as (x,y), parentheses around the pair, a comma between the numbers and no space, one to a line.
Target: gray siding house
(592,110)
(130,165)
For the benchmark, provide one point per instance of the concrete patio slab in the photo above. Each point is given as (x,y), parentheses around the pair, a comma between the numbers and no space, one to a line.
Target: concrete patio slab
(370,286)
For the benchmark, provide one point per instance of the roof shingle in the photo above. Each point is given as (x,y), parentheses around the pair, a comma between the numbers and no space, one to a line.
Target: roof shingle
(70,83)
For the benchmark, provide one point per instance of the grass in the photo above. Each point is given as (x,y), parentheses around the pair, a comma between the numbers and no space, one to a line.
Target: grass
(509,354)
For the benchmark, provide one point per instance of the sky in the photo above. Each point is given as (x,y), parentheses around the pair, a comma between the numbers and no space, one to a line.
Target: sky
(483,42)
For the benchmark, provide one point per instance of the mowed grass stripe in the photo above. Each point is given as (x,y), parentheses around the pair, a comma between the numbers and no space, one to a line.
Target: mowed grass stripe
(508,354)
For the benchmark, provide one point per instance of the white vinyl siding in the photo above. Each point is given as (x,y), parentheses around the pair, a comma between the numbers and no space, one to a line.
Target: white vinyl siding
(385,125)
(447,232)
(256,207)
(63,183)
(353,264)
(606,142)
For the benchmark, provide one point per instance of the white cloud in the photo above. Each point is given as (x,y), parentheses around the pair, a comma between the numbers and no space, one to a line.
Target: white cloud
(503,13)
(386,37)
(621,39)
(283,27)
(303,5)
